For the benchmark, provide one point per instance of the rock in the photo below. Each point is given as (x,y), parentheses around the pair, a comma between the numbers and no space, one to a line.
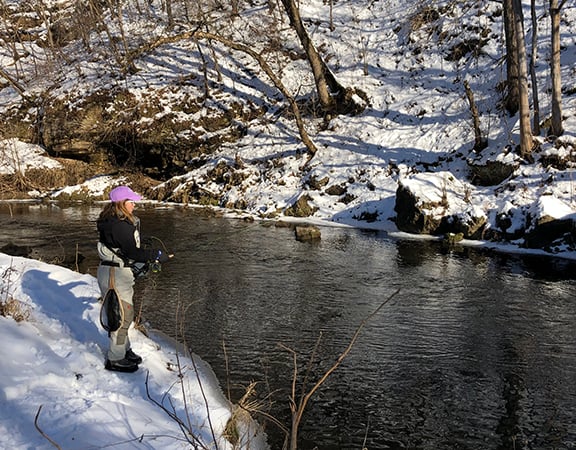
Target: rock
(17,250)
(450,240)
(469,223)
(549,230)
(491,173)
(336,189)
(437,203)
(317,184)
(301,208)
(549,220)
(412,213)
(75,149)
(307,233)
(282,224)
(492,168)
(453,238)
(367,216)
(510,221)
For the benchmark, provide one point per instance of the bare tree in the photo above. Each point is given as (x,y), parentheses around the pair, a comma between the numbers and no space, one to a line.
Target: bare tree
(235,7)
(333,97)
(556,128)
(533,57)
(332,27)
(97,14)
(123,56)
(511,99)
(526,139)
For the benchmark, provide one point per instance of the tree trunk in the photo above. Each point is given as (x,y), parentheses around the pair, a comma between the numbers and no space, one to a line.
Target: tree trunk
(480,143)
(169,14)
(533,58)
(332,95)
(235,7)
(326,84)
(526,140)
(556,126)
(511,100)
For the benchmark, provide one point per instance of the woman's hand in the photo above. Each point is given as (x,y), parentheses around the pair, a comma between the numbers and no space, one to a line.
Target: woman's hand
(164,257)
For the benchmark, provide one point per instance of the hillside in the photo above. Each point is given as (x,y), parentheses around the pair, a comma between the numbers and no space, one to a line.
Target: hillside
(129,91)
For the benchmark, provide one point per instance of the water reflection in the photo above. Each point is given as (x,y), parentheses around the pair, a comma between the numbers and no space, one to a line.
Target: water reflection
(477,351)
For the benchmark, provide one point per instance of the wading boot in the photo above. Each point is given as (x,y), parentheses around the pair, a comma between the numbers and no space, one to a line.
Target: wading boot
(121,365)
(133,357)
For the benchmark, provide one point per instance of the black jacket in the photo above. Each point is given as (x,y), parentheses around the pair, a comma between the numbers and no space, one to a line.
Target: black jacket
(125,236)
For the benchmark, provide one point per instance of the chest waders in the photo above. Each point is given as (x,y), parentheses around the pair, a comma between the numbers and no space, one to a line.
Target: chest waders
(121,280)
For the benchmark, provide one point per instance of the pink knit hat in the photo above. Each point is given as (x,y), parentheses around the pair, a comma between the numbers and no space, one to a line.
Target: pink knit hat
(122,193)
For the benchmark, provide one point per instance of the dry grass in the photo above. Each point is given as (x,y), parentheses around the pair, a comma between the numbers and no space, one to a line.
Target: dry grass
(247,407)
(9,306)
(15,309)
(18,185)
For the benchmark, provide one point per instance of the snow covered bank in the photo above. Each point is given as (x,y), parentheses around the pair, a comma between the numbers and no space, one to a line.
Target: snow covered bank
(53,381)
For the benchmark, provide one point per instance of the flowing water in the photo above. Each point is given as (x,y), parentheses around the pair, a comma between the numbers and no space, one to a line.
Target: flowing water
(471,350)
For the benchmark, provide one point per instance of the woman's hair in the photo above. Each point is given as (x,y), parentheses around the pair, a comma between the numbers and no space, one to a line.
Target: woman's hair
(117,209)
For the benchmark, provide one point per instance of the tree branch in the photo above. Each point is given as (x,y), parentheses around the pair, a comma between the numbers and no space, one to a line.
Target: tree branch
(17,86)
(297,412)
(275,79)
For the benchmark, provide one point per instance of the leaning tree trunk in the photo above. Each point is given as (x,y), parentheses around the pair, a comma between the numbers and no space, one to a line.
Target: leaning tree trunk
(480,143)
(556,125)
(332,95)
(512,91)
(526,140)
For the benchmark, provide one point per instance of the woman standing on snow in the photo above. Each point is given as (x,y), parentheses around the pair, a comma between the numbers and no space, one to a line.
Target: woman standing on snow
(119,251)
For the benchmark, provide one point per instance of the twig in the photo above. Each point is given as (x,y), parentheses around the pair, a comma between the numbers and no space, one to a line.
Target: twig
(366,435)
(13,82)
(197,34)
(309,368)
(270,417)
(349,348)
(227,370)
(205,400)
(299,411)
(185,431)
(294,376)
(184,396)
(200,385)
(44,435)
(76,259)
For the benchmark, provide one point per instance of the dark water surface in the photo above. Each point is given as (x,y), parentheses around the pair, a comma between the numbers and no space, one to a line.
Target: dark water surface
(476,351)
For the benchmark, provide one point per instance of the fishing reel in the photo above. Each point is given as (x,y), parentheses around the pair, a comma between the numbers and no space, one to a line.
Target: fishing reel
(155,267)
